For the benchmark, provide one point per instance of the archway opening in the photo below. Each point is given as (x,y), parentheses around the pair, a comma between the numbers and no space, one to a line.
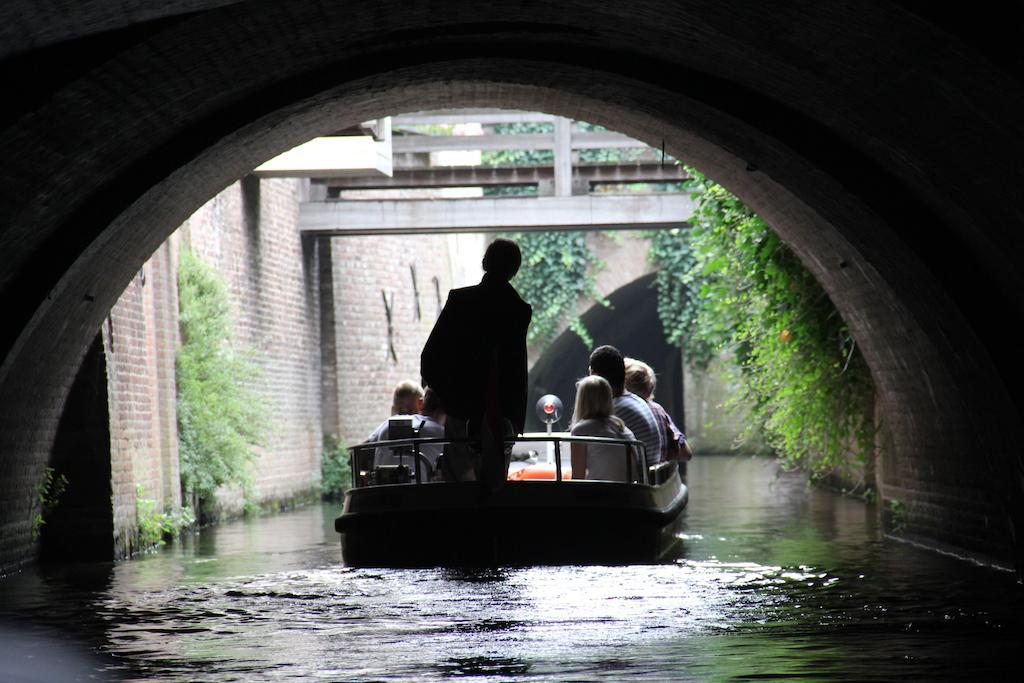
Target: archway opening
(630,323)
(932,356)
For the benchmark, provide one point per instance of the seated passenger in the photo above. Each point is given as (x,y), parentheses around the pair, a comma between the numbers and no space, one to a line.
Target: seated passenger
(634,411)
(411,411)
(431,425)
(593,415)
(641,381)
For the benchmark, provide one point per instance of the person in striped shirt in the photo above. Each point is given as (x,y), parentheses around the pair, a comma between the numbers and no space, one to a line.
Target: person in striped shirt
(607,362)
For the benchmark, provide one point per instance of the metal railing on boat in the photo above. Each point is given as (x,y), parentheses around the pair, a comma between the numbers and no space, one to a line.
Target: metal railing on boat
(411,447)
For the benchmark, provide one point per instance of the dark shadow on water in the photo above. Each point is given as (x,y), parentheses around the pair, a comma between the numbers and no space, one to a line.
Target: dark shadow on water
(483,666)
(476,575)
(487,626)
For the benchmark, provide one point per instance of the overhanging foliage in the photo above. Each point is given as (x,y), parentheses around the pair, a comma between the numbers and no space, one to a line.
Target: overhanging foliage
(220,416)
(730,284)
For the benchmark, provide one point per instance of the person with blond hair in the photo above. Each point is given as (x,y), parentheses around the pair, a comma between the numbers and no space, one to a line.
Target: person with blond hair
(593,415)
(423,411)
(640,380)
(607,362)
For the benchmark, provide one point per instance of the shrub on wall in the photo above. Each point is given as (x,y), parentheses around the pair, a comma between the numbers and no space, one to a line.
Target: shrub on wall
(48,494)
(156,527)
(729,283)
(220,417)
(335,470)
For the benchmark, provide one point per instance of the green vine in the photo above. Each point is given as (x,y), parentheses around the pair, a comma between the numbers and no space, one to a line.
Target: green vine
(730,284)
(676,283)
(48,494)
(335,470)
(609,155)
(558,270)
(220,417)
(156,527)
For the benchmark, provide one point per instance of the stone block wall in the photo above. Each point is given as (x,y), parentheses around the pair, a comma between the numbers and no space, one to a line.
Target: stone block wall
(711,427)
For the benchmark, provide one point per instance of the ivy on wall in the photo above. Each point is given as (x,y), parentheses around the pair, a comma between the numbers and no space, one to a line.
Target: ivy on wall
(729,283)
(220,417)
(519,157)
(558,269)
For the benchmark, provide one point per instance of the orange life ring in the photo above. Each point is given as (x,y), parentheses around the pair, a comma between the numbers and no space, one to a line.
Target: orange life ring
(539,471)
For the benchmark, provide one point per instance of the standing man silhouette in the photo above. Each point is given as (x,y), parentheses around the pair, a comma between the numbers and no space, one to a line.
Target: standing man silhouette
(475,359)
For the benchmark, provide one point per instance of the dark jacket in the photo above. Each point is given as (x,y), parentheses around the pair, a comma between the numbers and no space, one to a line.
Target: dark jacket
(477,325)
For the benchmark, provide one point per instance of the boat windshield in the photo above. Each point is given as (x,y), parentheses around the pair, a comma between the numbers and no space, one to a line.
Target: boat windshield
(537,457)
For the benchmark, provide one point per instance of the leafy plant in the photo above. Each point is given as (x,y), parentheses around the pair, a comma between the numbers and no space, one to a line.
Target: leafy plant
(155,527)
(730,284)
(335,469)
(608,155)
(48,493)
(678,304)
(558,270)
(896,512)
(519,157)
(221,418)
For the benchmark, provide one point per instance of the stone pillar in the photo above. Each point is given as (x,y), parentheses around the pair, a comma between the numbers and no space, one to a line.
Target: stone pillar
(328,340)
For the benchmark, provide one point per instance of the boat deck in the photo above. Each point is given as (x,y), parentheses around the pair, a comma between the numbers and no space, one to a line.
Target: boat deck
(526,522)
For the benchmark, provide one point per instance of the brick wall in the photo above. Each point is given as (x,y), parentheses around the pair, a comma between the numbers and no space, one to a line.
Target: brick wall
(138,341)
(250,234)
(363,268)
(81,526)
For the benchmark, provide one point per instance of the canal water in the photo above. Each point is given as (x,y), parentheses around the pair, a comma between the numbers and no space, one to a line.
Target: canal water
(774,581)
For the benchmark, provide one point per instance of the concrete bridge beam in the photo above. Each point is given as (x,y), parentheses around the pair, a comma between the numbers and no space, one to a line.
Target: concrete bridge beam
(499,214)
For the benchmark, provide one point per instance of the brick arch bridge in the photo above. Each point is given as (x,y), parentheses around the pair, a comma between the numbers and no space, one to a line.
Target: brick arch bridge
(631,324)
(882,145)
(625,259)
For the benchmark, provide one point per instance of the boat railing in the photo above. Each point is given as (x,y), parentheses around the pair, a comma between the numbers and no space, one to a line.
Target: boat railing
(411,447)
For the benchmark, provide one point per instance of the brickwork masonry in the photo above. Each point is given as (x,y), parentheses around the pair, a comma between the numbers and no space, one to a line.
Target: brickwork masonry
(249,233)
(388,291)
(338,383)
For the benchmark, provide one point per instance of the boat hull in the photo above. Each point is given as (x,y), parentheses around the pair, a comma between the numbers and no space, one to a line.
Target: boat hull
(523,523)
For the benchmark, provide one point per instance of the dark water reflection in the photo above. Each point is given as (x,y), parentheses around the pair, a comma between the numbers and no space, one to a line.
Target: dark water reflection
(775,581)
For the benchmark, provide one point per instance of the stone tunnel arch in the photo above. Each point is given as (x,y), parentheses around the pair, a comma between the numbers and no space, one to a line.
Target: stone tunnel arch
(625,260)
(631,324)
(160,112)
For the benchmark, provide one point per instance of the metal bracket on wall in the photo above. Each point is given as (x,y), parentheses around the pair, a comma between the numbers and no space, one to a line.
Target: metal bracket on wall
(415,292)
(437,292)
(388,307)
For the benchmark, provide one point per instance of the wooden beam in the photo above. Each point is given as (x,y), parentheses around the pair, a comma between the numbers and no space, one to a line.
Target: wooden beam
(513,214)
(475,176)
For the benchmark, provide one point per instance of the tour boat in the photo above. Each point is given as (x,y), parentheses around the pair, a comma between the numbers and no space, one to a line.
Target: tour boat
(398,516)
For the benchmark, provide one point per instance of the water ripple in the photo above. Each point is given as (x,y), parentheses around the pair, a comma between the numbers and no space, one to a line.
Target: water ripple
(773,582)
